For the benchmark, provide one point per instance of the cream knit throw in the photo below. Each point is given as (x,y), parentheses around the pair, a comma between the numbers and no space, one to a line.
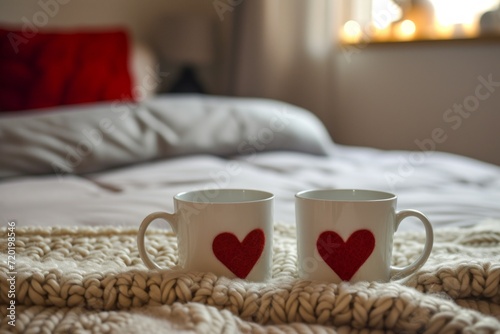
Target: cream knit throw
(91,280)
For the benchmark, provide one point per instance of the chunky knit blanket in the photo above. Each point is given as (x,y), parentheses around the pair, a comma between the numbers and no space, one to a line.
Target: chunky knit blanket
(91,280)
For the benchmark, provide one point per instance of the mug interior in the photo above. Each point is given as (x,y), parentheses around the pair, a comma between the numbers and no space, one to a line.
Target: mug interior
(224,196)
(348,195)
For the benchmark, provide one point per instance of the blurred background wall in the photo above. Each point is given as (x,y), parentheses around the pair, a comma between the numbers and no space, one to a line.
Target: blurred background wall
(385,95)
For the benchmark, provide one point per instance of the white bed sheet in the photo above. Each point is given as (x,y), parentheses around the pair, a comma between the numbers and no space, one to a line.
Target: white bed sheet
(449,189)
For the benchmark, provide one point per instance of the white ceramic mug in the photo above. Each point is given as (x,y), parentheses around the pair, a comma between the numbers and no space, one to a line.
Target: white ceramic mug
(228,232)
(347,235)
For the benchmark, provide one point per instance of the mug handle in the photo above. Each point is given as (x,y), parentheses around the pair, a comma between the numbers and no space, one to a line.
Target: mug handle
(170,218)
(402,272)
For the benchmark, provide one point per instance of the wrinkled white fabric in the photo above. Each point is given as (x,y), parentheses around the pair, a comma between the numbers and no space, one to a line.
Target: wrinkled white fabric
(449,189)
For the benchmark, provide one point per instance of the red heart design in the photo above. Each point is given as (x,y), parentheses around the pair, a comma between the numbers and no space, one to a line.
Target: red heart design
(345,258)
(239,257)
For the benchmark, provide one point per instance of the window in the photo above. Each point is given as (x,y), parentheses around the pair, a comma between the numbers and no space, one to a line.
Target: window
(406,20)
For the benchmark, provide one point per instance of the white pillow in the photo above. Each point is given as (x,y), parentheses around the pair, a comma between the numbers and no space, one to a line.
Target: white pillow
(94,137)
(144,71)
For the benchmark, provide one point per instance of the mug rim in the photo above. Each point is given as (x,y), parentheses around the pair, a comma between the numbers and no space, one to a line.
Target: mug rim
(258,196)
(330,195)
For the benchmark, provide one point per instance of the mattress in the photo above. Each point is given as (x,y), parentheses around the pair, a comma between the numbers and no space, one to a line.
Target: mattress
(76,182)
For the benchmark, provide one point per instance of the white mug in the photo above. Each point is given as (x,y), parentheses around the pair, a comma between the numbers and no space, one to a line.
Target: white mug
(228,232)
(347,235)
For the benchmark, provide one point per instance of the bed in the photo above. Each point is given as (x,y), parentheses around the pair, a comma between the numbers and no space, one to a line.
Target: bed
(77,179)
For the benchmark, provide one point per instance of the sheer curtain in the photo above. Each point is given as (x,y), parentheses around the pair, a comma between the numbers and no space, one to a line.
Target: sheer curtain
(283,49)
